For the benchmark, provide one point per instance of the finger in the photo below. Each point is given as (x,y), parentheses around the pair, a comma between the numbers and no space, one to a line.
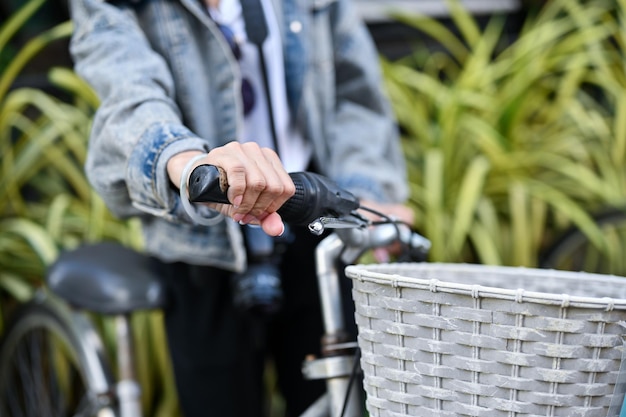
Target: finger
(225,209)
(277,188)
(287,188)
(268,186)
(273,225)
(238,162)
(258,183)
(255,180)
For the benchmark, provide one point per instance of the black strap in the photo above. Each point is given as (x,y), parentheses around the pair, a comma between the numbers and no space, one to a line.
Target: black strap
(256,25)
(256,30)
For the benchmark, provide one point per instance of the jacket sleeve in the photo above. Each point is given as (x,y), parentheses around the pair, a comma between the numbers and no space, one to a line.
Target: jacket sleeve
(138,126)
(366,150)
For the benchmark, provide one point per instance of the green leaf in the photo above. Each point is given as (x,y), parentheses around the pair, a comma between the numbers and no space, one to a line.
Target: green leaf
(35,235)
(17,21)
(30,50)
(464,21)
(56,214)
(437,31)
(16,286)
(467,202)
(618,149)
(568,208)
(433,202)
(487,251)
(520,221)
(68,80)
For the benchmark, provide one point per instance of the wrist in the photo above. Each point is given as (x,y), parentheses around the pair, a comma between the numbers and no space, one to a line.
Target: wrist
(177,163)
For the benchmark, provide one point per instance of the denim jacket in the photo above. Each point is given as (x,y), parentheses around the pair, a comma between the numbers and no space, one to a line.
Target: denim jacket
(168,82)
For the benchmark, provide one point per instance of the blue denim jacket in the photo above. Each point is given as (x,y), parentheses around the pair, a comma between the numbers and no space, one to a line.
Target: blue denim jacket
(169,83)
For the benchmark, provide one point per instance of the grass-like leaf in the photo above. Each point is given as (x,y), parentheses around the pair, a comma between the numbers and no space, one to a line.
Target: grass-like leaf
(544,112)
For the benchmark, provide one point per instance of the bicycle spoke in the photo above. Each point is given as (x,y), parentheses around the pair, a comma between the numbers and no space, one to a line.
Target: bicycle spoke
(41,375)
(13,405)
(55,392)
(37,345)
(25,374)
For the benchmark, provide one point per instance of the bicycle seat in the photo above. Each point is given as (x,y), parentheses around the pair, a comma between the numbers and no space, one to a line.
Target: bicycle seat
(106,278)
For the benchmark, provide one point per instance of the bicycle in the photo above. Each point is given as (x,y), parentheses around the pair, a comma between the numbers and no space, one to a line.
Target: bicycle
(575,251)
(52,360)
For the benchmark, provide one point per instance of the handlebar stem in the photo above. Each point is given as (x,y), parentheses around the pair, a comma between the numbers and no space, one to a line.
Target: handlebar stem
(327,253)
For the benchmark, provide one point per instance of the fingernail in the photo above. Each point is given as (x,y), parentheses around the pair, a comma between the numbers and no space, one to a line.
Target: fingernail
(237,201)
(282,231)
(247,219)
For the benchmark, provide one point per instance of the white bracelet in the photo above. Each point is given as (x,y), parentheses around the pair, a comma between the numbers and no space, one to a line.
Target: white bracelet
(190,209)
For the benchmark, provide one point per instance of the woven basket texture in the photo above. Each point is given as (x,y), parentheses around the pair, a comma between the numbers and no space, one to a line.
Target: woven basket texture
(474,340)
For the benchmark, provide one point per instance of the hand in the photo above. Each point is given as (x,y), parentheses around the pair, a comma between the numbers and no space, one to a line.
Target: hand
(258,183)
(399,212)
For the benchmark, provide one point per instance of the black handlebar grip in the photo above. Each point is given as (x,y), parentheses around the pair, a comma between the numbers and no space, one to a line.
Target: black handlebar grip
(315,195)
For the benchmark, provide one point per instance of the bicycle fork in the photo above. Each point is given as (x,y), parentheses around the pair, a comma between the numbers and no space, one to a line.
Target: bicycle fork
(337,363)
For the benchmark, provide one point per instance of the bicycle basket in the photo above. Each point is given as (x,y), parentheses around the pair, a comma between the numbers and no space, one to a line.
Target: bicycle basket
(473,340)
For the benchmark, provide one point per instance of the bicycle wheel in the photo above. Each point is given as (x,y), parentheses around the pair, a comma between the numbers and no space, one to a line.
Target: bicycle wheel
(43,371)
(575,252)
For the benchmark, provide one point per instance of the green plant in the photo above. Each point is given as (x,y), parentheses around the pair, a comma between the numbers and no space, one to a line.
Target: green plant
(507,144)
(46,202)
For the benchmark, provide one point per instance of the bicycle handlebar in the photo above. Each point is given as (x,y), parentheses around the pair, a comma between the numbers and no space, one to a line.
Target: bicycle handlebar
(316,196)
(320,203)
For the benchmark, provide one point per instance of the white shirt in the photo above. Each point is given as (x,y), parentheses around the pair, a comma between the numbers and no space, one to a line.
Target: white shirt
(294,151)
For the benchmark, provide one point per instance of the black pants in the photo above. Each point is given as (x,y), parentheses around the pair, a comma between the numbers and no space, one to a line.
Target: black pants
(219,354)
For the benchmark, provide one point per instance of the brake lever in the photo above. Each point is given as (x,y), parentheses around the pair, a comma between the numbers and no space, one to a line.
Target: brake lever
(356,243)
(352,221)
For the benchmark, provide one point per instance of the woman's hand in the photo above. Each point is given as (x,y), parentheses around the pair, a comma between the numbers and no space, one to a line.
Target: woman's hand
(258,183)
(399,212)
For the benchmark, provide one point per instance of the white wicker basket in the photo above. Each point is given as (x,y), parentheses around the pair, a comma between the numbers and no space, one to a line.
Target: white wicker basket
(472,340)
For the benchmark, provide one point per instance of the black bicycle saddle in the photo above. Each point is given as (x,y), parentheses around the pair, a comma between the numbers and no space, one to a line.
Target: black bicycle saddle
(106,278)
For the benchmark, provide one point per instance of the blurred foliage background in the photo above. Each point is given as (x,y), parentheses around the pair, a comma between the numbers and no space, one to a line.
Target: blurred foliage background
(46,203)
(509,141)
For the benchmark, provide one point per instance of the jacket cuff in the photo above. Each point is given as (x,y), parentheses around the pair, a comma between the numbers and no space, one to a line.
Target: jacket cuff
(149,185)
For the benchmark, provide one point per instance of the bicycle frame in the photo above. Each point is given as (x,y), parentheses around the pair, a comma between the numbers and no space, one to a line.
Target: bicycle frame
(105,395)
(337,366)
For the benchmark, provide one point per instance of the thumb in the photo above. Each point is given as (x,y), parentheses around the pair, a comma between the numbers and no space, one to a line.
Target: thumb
(273,224)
